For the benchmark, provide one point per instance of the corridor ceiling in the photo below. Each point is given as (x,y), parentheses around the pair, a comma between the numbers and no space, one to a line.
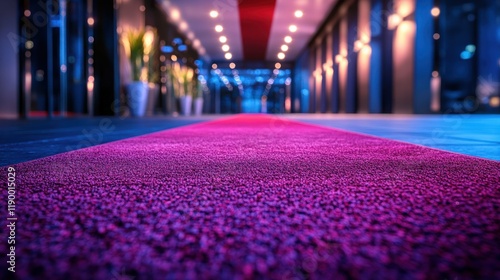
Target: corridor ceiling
(254,30)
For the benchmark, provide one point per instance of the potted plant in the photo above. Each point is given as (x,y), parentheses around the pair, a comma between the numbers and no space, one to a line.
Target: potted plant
(171,88)
(184,77)
(152,65)
(137,44)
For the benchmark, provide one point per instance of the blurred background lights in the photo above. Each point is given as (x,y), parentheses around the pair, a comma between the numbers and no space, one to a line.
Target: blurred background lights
(214,14)
(435,11)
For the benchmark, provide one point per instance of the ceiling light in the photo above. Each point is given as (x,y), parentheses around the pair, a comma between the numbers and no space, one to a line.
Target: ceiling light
(214,14)
(435,12)
(190,35)
(292,28)
(183,26)
(232,65)
(284,48)
(223,39)
(228,56)
(196,43)
(299,14)
(277,65)
(219,28)
(281,56)
(175,15)
(214,66)
(225,48)
(288,39)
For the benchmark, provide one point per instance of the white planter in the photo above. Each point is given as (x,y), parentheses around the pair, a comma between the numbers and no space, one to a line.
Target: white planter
(153,92)
(198,106)
(137,96)
(186,103)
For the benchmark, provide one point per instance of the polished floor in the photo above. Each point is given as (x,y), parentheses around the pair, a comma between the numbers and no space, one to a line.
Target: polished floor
(25,140)
(474,135)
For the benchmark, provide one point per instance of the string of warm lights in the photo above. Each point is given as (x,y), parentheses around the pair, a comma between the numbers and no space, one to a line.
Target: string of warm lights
(288,39)
(222,38)
(176,18)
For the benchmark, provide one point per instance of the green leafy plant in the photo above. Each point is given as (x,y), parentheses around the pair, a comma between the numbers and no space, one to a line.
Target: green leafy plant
(150,51)
(184,79)
(140,48)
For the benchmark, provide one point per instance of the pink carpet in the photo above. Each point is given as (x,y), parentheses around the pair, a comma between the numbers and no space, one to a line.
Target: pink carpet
(257,197)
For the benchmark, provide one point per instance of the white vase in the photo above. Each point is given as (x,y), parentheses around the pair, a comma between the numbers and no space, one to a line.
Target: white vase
(137,96)
(186,103)
(198,106)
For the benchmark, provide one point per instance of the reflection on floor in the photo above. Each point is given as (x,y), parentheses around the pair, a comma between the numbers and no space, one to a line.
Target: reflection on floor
(24,140)
(475,135)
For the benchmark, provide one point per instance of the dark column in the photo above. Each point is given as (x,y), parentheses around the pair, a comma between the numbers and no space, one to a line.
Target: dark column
(335,80)
(317,84)
(293,91)
(324,99)
(10,104)
(381,68)
(301,82)
(352,67)
(424,52)
(106,69)
(312,81)
(489,47)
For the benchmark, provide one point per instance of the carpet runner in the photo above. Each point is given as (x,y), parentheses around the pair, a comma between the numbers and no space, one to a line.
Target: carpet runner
(256,196)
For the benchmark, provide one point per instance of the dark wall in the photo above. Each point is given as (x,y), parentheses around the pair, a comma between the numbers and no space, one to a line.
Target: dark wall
(489,47)
(9,66)
(300,87)
(106,66)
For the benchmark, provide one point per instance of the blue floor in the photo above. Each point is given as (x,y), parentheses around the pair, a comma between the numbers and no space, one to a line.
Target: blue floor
(24,140)
(474,135)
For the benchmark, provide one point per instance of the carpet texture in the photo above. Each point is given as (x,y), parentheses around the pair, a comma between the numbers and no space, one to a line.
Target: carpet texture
(257,197)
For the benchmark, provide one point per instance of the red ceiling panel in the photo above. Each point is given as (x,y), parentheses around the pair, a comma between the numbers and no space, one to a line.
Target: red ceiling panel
(256,18)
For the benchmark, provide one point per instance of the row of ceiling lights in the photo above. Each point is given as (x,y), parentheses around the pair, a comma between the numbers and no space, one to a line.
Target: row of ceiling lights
(222,39)
(176,18)
(226,48)
(288,39)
